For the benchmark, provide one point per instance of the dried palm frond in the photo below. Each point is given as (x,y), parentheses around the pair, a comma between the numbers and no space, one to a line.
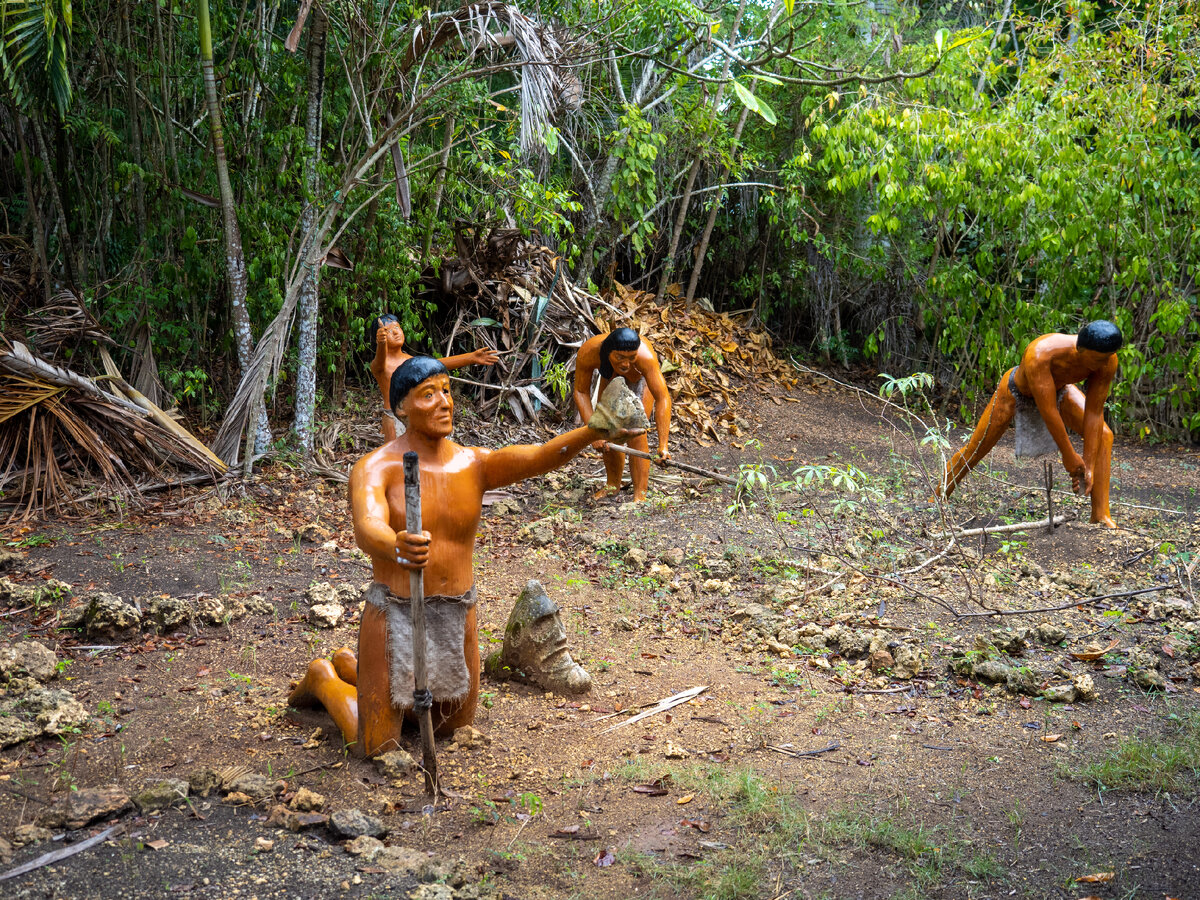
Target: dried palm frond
(19,277)
(61,434)
(63,320)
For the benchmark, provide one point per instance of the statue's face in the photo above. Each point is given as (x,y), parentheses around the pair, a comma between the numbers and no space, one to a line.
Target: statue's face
(393,334)
(545,640)
(622,362)
(429,409)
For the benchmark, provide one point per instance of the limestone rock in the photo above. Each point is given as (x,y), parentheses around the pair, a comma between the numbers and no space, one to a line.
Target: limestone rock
(110,618)
(84,806)
(162,795)
(204,782)
(258,605)
(326,615)
(1085,687)
(1049,634)
(1060,693)
(54,711)
(29,657)
(10,560)
(434,891)
(879,660)
(671,751)
(908,660)
(635,558)
(211,611)
(539,533)
(535,644)
(660,572)
(171,613)
(365,846)
(15,731)
(717,586)
(293,820)
(27,834)
(673,557)
(307,801)
(468,738)
(348,824)
(253,785)
(402,860)
(395,764)
(1148,679)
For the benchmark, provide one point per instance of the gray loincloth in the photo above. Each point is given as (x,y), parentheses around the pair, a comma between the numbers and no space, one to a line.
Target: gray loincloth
(1033,438)
(445,623)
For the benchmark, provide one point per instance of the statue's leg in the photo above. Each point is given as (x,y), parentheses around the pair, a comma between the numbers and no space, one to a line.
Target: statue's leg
(614,466)
(639,468)
(379,720)
(321,685)
(1072,410)
(345,663)
(448,715)
(992,424)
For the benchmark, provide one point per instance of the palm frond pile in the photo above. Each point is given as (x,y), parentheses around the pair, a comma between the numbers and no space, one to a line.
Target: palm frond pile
(66,439)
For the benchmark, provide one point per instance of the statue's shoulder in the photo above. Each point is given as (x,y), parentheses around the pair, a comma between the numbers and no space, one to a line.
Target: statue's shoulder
(379,461)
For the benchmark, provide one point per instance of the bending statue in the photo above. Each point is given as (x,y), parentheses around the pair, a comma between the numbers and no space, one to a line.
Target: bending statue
(1042,395)
(368,696)
(624,353)
(388,338)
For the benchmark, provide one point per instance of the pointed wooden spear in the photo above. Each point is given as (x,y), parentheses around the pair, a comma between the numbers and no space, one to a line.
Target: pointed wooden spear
(422,698)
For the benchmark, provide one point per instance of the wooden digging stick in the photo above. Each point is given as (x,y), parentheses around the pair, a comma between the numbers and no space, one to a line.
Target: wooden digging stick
(422,698)
(695,470)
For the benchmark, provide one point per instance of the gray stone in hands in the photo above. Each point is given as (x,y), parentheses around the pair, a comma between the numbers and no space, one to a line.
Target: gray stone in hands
(619,409)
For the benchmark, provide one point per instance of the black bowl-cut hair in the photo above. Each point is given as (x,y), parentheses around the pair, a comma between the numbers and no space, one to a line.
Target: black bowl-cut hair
(409,374)
(373,328)
(1102,336)
(623,339)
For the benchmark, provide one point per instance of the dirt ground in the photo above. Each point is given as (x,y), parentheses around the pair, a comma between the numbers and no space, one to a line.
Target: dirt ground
(930,783)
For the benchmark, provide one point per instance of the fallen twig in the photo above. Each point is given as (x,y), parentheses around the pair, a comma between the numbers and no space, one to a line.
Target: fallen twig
(1071,605)
(1004,529)
(661,706)
(62,853)
(798,754)
(695,470)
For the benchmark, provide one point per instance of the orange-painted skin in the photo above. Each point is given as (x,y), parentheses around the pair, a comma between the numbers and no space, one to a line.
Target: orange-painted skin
(390,355)
(632,365)
(1049,364)
(357,694)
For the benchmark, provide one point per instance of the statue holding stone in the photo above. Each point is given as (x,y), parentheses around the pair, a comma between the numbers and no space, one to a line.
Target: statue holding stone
(623,354)
(1042,397)
(368,696)
(388,338)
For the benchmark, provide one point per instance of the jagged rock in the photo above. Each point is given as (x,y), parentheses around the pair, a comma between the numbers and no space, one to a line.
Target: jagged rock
(539,533)
(535,644)
(1196,671)
(623,623)
(673,557)
(352,823)
(365,846)
(990,670)
(1050,634)
(258,605)
(402,861)
(717,586)
(313,533)
(879,660)
(717,568)
(204,782)
(326,615)
(14,593)
(162,795)
(618,409)
(468,738)
(1012,641)
(109,618)
(211,611)
(10,560)
(253,785)
(27,834)
(29,657)
(307,801)
(86,805)
(433,891)
(754,615)
(1060,693)
(660,572)
(1170,607)
(635,558)
(54,711)
(263,845)
(908,661)
(395,764)
(237,798)
(171,613)
(15,731)
(1148,679)
(672,751)
(1141,658)
(1085,687)
(294,821)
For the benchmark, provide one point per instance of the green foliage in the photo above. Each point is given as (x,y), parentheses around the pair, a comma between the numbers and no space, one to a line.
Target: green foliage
(33,31)
(1068,194)
(636,146)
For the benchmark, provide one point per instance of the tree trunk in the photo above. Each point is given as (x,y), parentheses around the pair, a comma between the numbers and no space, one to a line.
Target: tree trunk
(309,302)
(235,259)
(439,185)
(135,128)
(669,261)
(74,273)
(168,123)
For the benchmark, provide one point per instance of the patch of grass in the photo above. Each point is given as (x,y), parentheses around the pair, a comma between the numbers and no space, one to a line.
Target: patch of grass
(1158,765)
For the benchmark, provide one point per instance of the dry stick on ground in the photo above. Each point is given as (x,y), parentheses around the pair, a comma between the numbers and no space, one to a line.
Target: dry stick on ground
(695,470)
(63,853)
(1005,529)
(799,754)
(1071,605)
